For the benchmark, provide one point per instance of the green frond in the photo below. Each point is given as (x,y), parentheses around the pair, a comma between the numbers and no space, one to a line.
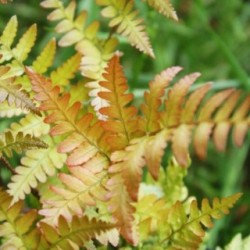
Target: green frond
(151,212)
(46,57)
(96,51)
(17,55)
(16,230)
(127,23)
(10,111)
(164,7)
(172,182)
(37,165)
(14,94)
(71,235)
(184,230)
(31,124)
(18,143)
(66,71)
(9,32)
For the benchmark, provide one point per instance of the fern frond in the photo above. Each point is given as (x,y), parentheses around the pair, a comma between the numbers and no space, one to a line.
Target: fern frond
(17,230)
(18,143)
(84,139)
(32,125)
(125,18)
(172,182)
(36,165)
(15,95)
(66,71)
(164,7)
(15,57)
(81,188)
(19,53)
(120,205)
(185,231)
(150,108)
(95,52)
(46,57)
(10,111)
(9,32)
(121,120)
(151,212)
(129,163)
(71,235)
(185,116)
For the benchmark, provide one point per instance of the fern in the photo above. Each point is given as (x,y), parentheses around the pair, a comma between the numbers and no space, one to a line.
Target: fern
(13,93)
(32,125)
(73,235)
(151,211)
(36,165)
(46,57)
(63,74)
(139,149)
(22,49)
(96,51)
(82,187)
(10,111)
(85,138)
(184,231)
(18,143)
(122,118)
(164,7)
(127,22)
(16,230)
(97,176)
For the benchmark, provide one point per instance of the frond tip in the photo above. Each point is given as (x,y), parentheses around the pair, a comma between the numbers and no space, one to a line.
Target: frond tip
(184,231)
(128,24)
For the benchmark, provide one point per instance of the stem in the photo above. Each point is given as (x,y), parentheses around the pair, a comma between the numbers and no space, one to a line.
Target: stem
(6,164)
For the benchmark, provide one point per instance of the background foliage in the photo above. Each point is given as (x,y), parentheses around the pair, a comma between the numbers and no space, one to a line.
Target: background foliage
(211,37)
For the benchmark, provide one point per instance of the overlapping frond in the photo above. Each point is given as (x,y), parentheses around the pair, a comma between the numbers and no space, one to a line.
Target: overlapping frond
(184,230)
(151,211)
(20,52)
(120,205)
(95,52)
(13,93)
(16,230)
(31,124)
(84,140)
(82,187)
(150,108)
(10,111)
(164,7)
(18,143)
(120,116)
(36,166)
(64,73)
(125,18)
(185,115)
(172,182)
(46,57)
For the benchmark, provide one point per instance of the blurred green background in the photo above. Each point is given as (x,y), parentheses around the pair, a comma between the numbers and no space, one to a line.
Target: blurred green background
(211,37)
